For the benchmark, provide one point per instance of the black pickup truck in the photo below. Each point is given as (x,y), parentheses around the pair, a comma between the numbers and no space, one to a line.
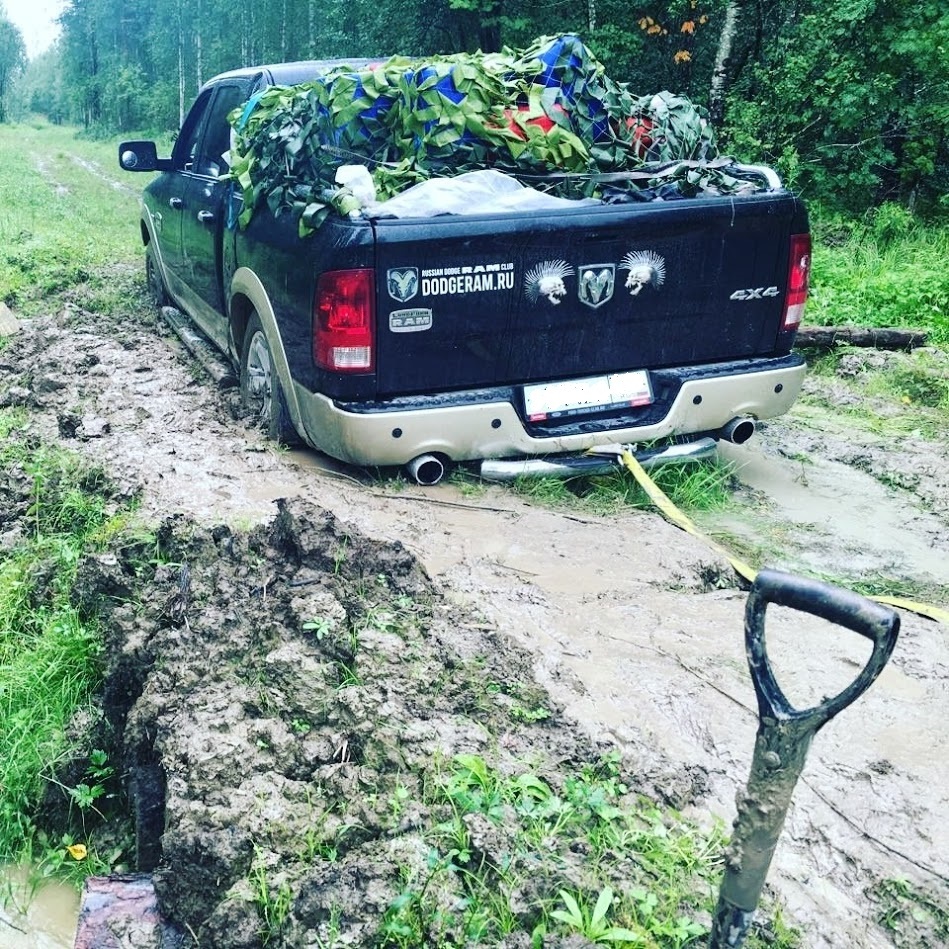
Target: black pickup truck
(424,341)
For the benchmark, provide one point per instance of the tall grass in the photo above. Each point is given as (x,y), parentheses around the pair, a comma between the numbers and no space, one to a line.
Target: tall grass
(700,486)
(69,215)
(49,655)
(888,269)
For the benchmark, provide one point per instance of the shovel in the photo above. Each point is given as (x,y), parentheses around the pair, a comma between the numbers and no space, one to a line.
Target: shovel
(785,734)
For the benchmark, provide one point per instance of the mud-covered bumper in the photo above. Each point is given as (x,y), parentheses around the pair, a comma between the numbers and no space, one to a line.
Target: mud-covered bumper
(490,423)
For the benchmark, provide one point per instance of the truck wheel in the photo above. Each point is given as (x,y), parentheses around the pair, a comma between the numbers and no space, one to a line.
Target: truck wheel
(154,280)
(260,386)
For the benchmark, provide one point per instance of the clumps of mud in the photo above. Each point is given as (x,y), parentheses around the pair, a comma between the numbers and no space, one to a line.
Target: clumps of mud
(287,700)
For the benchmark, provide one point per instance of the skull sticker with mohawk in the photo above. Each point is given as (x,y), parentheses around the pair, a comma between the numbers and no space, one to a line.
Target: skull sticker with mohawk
(645,267)
(547,280)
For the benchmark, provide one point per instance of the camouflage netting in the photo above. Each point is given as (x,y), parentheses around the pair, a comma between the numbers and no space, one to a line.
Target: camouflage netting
(548,114)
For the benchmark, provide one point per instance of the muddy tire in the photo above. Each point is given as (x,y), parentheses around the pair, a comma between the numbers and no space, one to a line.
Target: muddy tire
(261,392)
(153,278)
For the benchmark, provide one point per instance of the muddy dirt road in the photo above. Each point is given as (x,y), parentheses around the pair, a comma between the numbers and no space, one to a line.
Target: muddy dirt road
(633,627)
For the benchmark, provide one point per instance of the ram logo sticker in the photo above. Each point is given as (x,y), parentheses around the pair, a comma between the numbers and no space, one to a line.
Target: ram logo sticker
(403,284)
(596,284)
(547,280)
(646,268)
(410,321)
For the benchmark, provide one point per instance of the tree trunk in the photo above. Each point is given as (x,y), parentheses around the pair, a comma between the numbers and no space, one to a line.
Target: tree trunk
(199,64)
(717,90)
(181,69)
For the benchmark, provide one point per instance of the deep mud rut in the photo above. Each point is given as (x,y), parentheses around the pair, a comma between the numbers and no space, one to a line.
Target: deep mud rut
(633,628)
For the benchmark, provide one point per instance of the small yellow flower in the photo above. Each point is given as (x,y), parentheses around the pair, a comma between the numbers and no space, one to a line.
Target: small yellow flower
(688,26)
(77,851)
(654,29)
(683,56)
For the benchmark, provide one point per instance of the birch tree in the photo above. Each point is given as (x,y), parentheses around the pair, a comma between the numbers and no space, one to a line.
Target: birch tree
(716,99)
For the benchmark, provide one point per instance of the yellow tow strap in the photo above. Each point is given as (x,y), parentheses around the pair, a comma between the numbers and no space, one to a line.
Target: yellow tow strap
(675,516)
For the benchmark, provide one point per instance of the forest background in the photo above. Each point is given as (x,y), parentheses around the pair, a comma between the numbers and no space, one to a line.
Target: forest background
(850,100)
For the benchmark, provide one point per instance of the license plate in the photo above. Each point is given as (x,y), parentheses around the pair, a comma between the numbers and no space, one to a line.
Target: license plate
(576,396)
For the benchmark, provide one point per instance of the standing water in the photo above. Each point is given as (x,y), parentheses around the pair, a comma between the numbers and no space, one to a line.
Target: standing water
(47,920)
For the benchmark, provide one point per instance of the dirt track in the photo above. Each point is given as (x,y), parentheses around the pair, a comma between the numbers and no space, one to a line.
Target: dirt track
(633,627)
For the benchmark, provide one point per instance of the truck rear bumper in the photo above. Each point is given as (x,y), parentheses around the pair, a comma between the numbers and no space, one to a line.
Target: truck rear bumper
(472,425)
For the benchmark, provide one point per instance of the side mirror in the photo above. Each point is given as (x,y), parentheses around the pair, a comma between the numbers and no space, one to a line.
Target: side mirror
(141,156)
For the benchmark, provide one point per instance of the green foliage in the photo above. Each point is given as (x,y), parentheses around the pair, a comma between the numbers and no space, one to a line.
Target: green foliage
(12,58)
(273,899)
(851,100)
(70,225)
(49,653)
(643,878)
(699,486)
(550,107)
(593,924)
(886,269)
(913,916)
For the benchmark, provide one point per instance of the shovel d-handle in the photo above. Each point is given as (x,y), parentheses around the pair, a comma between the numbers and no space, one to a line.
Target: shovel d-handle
(785,734)
(879,624)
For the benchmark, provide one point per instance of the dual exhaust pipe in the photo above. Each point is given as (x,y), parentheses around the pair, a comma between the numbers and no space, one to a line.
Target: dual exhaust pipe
(429,469)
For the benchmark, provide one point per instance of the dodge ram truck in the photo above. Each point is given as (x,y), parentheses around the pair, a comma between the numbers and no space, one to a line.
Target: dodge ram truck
(522,338)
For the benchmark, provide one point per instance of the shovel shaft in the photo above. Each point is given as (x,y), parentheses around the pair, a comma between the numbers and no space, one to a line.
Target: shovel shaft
(780,752)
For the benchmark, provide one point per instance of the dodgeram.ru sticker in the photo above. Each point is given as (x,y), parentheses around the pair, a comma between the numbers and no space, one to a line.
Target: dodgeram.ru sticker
(477,278)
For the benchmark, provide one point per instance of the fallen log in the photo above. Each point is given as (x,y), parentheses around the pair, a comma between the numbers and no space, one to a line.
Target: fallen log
(827,337)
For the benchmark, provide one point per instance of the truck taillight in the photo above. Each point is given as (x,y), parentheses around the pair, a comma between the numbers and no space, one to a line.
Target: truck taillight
(799,269)
(344,321)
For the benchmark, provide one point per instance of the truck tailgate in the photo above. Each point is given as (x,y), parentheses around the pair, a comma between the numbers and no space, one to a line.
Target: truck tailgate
(465,302)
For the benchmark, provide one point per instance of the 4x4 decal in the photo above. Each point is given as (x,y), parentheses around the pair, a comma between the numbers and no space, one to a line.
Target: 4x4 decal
(757,293)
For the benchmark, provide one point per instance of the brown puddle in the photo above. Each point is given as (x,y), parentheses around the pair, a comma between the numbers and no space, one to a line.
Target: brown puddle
(47,921)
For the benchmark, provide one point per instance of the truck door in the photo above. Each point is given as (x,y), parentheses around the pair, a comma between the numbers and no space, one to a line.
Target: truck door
(204,201)
(168,191)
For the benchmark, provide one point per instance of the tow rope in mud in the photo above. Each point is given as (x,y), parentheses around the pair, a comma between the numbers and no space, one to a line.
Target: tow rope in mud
(683,521)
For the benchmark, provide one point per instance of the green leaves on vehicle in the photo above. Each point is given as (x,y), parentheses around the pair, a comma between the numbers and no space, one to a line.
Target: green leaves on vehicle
(547,108)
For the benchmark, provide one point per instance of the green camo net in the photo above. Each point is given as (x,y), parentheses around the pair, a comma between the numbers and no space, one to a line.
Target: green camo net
(547,114)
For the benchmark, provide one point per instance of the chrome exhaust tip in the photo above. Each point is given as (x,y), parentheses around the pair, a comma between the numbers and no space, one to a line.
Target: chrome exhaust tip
(738,430)
(426,469)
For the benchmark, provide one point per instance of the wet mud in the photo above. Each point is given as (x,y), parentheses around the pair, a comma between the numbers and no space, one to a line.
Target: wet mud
(305,627)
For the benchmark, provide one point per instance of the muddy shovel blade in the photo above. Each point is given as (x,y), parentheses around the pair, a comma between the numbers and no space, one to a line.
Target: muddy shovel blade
(785,734)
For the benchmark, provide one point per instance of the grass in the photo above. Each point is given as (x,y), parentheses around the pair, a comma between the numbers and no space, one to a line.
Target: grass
(888,269)
(49,653)
(632,874)
(894,394)
(699,486)
(74,219)
(913,917)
